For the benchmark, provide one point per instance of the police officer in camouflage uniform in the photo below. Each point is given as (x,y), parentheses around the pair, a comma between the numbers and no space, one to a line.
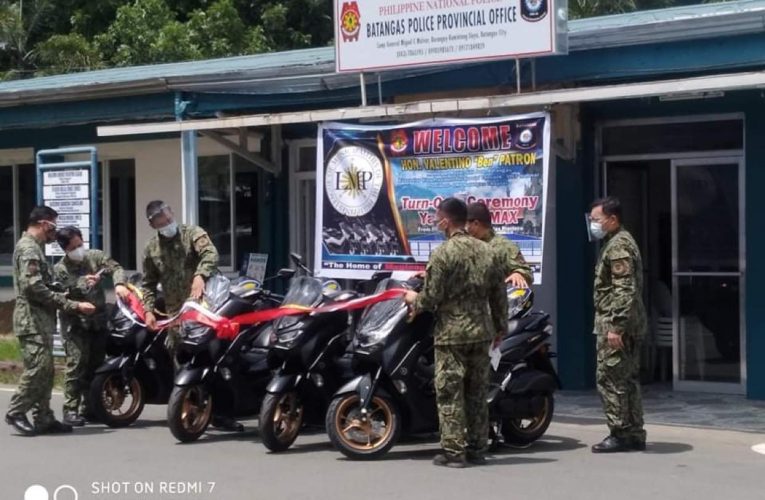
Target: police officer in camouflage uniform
(34,321)
(81,272)
(517,272)
(620,325)
(180,258)
(466,292)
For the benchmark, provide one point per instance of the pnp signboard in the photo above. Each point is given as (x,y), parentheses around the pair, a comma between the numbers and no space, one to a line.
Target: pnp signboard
(374,35)
(69,187)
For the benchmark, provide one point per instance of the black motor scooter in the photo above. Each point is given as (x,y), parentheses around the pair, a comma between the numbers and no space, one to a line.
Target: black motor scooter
(221,379)
(306,354)
(394,392)
(138,369)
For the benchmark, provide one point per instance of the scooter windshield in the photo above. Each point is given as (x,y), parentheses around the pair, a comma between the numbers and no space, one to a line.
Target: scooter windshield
(380,319)
(217,290)
(304,291)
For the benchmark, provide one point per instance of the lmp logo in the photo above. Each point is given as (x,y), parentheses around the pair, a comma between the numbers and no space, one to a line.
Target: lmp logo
(63,492)
(350,21)
(353,180)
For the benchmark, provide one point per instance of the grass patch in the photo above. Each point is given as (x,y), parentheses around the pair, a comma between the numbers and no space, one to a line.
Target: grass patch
(12,378)
(9,348)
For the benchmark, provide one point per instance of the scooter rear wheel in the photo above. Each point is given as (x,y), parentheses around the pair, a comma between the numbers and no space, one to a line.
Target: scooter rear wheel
(114,401)
(189,412)
(281,418)
(523,432)
(362,438)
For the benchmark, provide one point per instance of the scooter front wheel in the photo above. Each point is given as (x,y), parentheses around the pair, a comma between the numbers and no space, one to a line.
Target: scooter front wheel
(115,401)
(281,417)
(359,436)
(524,431)
(189,412)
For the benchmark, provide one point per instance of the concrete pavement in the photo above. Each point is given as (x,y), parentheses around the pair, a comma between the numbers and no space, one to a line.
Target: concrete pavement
(115,464)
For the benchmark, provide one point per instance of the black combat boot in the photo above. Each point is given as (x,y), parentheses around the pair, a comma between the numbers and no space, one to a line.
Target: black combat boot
(71,418)
(612,444)
(226,424)
(448,460)
(54,427)
(20,422)
(475,457)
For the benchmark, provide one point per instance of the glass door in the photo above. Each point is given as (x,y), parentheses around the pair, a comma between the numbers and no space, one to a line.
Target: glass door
(707,274)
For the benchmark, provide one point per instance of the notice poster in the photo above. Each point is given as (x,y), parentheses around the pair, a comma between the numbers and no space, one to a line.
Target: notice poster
(378,188)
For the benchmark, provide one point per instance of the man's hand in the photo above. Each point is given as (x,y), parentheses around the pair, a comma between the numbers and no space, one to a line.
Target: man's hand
(497,341)
(419,274)
(92,280)
(517,280)
(410,298)
(197,287)
(122,292)
(86,308)
(151,321)
(615,341)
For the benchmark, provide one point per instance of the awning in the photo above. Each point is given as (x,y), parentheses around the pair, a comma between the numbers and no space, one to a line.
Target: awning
(677,88)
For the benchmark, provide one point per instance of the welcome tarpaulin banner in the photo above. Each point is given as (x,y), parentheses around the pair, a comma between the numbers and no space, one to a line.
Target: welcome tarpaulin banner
(378,188)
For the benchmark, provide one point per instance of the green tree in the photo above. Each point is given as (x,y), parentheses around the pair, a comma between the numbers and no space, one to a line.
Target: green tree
(19,27)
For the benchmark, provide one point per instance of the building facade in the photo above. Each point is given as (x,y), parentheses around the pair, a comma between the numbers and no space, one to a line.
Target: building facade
(663,109)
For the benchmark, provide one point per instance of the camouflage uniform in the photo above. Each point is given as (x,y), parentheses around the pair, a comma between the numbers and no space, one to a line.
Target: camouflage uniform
(510,256)
(619,308)
(467,294)
(34,321)
(173,262)
(84,336)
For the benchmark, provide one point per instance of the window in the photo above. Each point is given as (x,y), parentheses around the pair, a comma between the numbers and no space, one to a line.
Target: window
(7,229)
(228,206)
(18,195)
(303,198)
(215,203)
(121,212)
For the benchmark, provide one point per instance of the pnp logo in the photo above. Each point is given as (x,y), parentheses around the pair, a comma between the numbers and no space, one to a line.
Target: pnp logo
(350,21)
(63,492)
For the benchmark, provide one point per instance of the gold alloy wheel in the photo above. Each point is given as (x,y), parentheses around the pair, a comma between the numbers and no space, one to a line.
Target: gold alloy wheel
(364,434)
(532,425)
(114,394)
(288,417)
(196,410)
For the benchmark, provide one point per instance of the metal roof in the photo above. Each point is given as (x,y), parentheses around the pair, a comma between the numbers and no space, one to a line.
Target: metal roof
(313,69)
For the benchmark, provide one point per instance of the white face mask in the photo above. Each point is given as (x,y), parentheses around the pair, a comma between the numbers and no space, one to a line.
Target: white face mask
(78,254)
(170,230)
(596,230)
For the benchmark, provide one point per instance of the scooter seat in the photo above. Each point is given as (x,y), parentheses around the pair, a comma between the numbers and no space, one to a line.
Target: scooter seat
(342,295)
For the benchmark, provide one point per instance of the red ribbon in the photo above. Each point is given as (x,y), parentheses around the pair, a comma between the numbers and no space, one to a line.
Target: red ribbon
(228,328)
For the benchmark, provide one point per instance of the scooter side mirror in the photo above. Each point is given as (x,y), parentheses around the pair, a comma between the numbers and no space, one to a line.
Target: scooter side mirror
(296,258)
(285,273)
(381,275)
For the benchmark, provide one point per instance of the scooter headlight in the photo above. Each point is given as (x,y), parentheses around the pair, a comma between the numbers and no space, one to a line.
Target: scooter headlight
(196,333)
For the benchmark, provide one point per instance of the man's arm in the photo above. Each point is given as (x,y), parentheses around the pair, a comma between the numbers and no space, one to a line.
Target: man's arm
(623,290)
(498,301)
(432,293)
(149,282)
(32,287)
(208,254)
(112,267)
(76,284)
(514,262)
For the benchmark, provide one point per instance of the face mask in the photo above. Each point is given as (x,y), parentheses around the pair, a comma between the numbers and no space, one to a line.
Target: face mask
(77,255)
(442,226)
(596,230)
(170,230)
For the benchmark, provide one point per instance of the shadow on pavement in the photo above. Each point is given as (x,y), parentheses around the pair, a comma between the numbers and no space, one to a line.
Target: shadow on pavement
(548,443)
(659,448)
